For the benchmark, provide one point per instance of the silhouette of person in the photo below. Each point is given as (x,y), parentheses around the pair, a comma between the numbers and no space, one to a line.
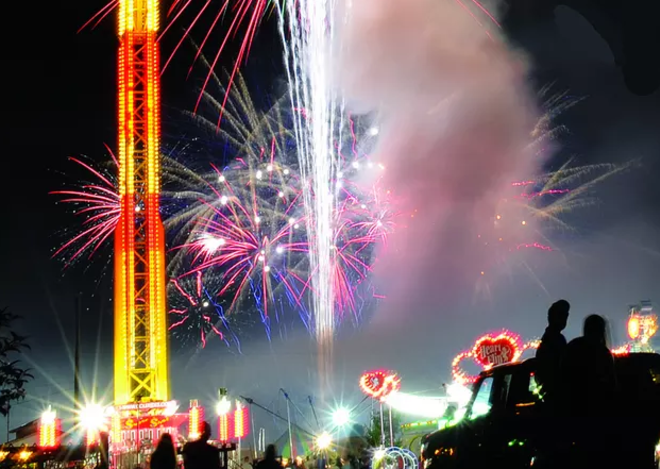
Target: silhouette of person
(270,459)
(551,349)
(164,456)
(588,391)
(199,454)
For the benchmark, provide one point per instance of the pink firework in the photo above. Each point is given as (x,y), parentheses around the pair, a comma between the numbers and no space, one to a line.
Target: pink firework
(98,204)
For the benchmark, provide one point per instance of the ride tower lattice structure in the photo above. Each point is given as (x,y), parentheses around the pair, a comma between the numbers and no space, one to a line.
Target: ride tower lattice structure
(141,355)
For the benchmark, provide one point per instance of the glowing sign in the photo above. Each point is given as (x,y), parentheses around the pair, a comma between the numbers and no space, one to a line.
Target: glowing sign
(490,351)
(378,384)
(155,421)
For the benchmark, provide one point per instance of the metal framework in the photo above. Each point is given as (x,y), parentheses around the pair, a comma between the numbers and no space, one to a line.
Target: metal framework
(141,360)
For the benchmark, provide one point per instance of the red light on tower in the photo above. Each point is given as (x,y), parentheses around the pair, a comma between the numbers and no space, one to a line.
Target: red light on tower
(195,420)
(49,430)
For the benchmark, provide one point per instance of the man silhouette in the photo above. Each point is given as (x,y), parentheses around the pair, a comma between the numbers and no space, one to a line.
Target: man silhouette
(551,350)
(199,454)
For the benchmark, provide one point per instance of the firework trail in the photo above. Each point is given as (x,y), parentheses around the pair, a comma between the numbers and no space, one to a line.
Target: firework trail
(195,314)
(307,56)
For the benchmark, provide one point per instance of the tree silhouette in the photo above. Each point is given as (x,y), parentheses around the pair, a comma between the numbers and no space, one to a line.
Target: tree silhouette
(13,377)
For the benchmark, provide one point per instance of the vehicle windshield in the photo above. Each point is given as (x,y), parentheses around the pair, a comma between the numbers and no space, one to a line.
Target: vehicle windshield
(482,402)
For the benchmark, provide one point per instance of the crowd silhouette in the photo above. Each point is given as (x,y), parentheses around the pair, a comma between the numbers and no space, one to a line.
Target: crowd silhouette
(585,422)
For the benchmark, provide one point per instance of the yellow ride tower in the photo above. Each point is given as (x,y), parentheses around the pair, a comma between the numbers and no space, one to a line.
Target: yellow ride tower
(141,356)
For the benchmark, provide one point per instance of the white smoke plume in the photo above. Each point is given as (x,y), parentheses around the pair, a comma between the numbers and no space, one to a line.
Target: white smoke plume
(455,121)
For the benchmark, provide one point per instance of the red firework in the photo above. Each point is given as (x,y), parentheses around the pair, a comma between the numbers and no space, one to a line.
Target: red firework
(98,203)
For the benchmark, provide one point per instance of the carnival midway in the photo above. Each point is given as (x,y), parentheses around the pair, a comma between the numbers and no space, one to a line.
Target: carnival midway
(124,434)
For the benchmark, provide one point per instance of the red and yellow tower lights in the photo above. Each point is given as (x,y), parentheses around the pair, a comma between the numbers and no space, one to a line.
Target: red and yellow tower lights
(141,360)
(195,420)
(50,430)
(234,425)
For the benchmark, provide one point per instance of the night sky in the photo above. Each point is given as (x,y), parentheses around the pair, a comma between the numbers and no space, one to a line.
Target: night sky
(60,87)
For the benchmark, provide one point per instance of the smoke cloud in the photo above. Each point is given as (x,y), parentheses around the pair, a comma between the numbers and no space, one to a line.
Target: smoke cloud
(455,123)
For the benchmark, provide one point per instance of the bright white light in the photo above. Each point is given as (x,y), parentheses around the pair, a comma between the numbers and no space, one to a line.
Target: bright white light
(48,416)
(138,208)
(267,268)
(269,168)
(379,454)
(370,165)
(296,226)
(341,416)
(261,257)
(221,178)
(280,194)
(373,131)
(363,206)
(258,174)
(459,394)
(286,172)
(171,408)
(323,441)
(426,407)
(205,304)
(292,221)
(92,417)
(223,406)
(210,244)
(355,164)
(257,219)
(340,174)
(279,249)
(224,199)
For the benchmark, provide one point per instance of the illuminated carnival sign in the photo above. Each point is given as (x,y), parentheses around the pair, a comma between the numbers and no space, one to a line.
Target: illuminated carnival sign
(49,430)
(378,384)
(642,324)
(490,350)
(154,421)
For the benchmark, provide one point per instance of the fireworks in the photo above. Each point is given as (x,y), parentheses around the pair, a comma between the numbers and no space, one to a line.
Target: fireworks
(247,221)
(244,234)
(195,313)
(536,210)
(98,203)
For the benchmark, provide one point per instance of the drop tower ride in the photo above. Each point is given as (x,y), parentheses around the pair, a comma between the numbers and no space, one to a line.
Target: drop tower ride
(141,356)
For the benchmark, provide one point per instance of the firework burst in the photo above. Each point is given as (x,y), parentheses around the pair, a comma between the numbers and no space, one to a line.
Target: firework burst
(536,210)
(246,220)
(97,203)
(195,311)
